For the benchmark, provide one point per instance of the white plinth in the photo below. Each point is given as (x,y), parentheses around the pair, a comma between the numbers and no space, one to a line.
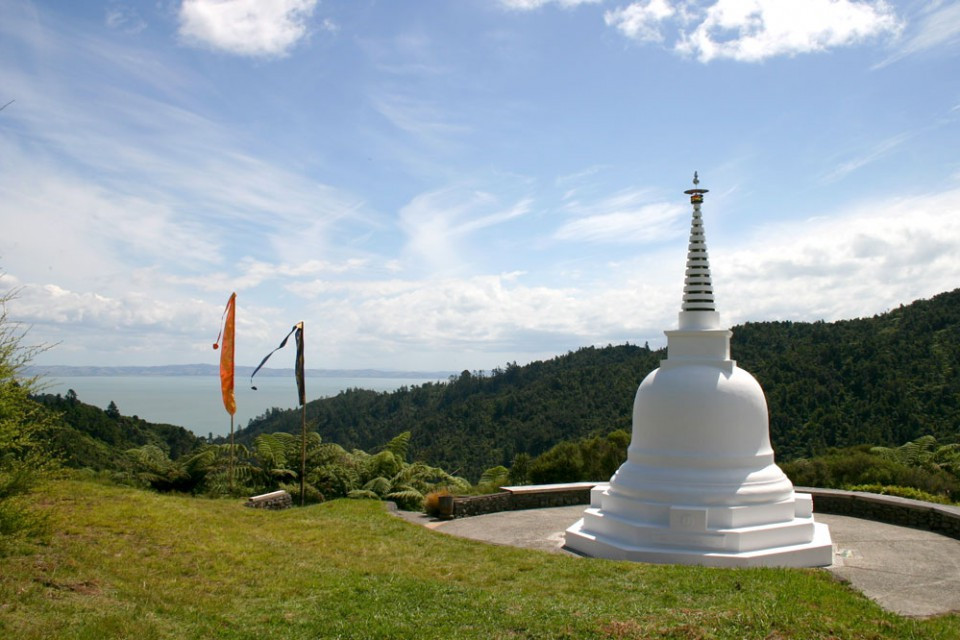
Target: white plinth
(781,534)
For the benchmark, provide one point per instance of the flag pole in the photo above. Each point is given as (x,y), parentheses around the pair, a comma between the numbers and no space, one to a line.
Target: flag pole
(303,417)
(297,333)
(303,453)
(228,333)
(232,453)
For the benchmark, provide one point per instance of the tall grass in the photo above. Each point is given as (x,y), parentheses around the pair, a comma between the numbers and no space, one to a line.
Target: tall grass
(126,563)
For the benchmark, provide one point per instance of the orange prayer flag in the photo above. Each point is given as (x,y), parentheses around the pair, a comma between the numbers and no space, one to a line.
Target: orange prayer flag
(228,331)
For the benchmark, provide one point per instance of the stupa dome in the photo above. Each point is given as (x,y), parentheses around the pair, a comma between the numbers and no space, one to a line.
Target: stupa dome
(729,464)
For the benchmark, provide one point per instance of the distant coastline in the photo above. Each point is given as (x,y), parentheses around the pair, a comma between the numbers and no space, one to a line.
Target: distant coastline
(66,371)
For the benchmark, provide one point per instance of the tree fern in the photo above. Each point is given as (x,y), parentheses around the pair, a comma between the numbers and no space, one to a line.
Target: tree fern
(408,499)
(363,494)
(379,485)
(399,445)
(495,476)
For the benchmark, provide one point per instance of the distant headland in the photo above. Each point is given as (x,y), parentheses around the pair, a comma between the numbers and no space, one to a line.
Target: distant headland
(65,371)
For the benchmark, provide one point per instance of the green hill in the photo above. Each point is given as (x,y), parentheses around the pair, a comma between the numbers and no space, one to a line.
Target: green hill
(883,380)
(88,436)
(127,563)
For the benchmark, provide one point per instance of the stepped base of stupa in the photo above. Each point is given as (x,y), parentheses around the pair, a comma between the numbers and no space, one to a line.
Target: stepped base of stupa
(779,534)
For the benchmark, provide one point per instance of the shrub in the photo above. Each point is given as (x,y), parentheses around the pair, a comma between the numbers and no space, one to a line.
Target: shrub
(494,477)
(25,429)
(311,495)
(431,502)
(407,498)
(362,494)
(900,492)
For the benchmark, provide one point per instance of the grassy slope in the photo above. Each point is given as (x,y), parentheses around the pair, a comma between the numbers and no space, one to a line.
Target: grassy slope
(127,563)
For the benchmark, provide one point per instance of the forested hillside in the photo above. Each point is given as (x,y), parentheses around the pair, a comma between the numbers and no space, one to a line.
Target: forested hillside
(883,380)
(88,436)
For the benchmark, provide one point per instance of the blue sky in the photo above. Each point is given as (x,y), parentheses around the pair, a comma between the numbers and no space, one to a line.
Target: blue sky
(461,184)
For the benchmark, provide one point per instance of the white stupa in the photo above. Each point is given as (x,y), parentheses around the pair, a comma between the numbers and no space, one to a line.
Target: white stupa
(700,485)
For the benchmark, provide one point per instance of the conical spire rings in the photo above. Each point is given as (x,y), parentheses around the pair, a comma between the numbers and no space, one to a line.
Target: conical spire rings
(697,285)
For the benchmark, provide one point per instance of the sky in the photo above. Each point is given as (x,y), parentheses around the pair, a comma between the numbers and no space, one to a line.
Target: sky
(462,184)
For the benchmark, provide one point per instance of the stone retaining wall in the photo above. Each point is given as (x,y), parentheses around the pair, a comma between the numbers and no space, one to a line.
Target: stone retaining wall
(515,500)
(938,518)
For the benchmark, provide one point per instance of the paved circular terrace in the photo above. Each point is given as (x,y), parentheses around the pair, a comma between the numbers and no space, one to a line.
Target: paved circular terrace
(907,571)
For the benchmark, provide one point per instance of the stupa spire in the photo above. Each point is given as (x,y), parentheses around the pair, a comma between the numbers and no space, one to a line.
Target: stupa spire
(697,284)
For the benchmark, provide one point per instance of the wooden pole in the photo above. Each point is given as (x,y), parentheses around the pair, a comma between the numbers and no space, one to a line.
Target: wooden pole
(303,452)
(230,471)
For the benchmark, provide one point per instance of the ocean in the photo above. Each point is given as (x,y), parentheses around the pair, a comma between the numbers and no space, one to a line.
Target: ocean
(194,402)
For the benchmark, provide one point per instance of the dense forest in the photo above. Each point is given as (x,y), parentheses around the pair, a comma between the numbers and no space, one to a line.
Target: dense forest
(90,437)
(884,380)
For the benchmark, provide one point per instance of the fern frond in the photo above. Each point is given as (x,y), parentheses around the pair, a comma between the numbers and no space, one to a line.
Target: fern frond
(363,494)
(399,445)
(379,485)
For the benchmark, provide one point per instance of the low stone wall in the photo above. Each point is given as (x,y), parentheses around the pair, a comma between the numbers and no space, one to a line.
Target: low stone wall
(274,500)
(943,519)
(529,497)
(939,518)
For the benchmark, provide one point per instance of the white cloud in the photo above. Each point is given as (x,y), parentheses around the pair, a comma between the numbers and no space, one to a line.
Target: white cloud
(493,314)
(851,264)
(147,326)
(937,27)
(754,30)
(246,27)
(641,20)
(626,217)
(124,18)
(878,151)
(417,116)
(529,5)
(437,222)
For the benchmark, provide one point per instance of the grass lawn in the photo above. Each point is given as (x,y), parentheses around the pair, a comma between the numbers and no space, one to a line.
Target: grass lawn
(124,563)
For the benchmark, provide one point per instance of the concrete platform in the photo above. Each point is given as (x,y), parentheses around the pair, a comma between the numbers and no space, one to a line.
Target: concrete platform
(907,571)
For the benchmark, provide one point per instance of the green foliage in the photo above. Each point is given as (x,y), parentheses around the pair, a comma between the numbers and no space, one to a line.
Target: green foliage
(520,470)
(900,492)
(926,453)
(588,459)
(154,468)
(96,438)
(385,464)
(399,445)
(273,462)
(311,494)
(911,465)
(379,486)
(481,420)
(26,428)
(494,477)
(883,380)
(363,494)
(407,498)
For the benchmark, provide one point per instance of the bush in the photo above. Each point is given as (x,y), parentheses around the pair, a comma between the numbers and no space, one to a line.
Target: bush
(311,495)
(431,502)
(407,498)
(900,492)
(842,468)
(25,429)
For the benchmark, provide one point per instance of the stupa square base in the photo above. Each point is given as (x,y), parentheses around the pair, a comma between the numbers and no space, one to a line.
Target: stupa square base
(818,552)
